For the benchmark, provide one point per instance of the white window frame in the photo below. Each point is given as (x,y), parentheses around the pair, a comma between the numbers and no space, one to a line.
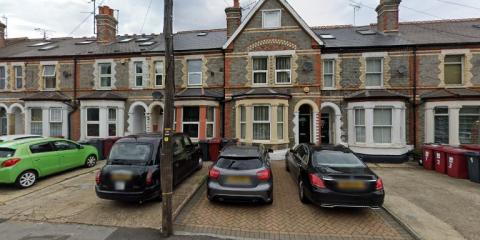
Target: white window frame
(334,84)
(355,125)
(100,75)
(260,71)
(159,74)
(37,122)
(382,70)
(87,122)
(44,77)
(383,126)
(110,122)
(192,73)
(435,114)
(282,122)
(243,122)
(279,18)
(289,71)
(52,120)
(210,122)
(192,123)
(137,74)
(17,77)
(462,64)
(4,77)
(262,122)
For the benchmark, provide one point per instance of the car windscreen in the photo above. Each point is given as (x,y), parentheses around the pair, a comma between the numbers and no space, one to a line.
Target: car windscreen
(6,152)
(131,152)
(338,159)
(239,164)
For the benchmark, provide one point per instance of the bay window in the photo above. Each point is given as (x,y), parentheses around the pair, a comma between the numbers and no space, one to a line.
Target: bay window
(93,122)
(36,121)
(112,122)
(260,70)
(374,73)
(191,121)
(56,122)
(454,69)
(360,133)
(469,128)
(283,69)
(329,73)
(138,74)
(382,125)
(441,125)
(243,122)
(195,72)
(49,76)
(105,75)
(280,121)
(210,122)
(261,123)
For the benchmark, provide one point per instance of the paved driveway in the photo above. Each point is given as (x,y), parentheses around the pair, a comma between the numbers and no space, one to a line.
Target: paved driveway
(287,218)
(74,201)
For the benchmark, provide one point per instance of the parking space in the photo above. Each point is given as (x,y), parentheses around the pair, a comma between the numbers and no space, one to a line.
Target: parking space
(287,218)
(74,201)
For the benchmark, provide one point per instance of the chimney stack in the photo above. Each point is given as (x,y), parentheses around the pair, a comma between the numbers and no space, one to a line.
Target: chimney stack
(234,17)
(388,16)
(106,25)
(3,41)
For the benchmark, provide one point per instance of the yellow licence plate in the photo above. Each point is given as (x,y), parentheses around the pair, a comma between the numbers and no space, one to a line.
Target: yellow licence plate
(121,177)
(238,180)
(351,185)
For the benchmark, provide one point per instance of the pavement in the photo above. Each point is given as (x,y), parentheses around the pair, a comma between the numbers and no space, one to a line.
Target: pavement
(13,230)
(72,199)
(286,218)
(432,205)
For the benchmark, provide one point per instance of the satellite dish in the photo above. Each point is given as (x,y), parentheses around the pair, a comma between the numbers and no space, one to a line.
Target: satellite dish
(157,95)
(402,70)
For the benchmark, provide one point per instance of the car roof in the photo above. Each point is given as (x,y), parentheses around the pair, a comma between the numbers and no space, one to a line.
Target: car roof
(153,138)
(14,137)
(337,148)
(18,143)
(241,151)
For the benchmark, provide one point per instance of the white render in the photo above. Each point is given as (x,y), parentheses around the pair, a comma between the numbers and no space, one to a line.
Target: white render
(103,105)
(45,106)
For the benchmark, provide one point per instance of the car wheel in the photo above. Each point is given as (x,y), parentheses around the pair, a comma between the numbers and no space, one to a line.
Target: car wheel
(26,179)
(420,162)
(200,163)
(301,192)
(270,199)
(91,161)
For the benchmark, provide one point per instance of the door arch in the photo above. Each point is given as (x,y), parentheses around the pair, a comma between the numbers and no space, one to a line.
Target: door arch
(137,120)
(156,115)
(305,124)
(331,112)
(3,121)
(18,119)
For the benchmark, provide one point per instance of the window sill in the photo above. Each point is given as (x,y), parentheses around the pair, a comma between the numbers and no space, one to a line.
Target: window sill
(378,145)
(454,86)
(329,89)
(374,88)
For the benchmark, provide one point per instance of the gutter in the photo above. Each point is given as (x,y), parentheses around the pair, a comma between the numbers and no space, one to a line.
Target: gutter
(74,105)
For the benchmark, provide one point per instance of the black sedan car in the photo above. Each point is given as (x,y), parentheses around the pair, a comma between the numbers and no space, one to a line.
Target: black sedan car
(242,174)
(332,176)
(132,172)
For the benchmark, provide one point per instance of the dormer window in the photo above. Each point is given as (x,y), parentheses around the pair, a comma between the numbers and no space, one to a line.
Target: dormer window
(272,19)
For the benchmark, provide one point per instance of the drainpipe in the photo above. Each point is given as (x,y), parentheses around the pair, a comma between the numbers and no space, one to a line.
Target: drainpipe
(414,105)
(74,105)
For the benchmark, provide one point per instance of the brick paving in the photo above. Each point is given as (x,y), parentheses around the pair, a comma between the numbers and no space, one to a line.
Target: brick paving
(286,218)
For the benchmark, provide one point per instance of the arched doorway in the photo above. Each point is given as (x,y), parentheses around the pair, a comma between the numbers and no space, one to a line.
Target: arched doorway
(305,124)
(3,121)
(18,120)
(156,115)
(137,121)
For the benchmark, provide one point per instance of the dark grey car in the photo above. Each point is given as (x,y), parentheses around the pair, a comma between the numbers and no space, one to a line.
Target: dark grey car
(242,174)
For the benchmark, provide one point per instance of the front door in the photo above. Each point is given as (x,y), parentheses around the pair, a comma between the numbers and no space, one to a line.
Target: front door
(304,126)
(326,128)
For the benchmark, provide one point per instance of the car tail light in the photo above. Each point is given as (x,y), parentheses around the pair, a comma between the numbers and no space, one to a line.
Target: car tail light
(11,162)
(214,174)
(149,180)
(379,184)
(98,178)
(316,181)
(263,175)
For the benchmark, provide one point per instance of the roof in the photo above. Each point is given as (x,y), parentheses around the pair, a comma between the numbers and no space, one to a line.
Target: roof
(410,33)
(183,41)
(256,8)
(199,93)
(262,93)
(47,96)
(103,95)
(375,94)
(451,93)
(241,151)
(339,148)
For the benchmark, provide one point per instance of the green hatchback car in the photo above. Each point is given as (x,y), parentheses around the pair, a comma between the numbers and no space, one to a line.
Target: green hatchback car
(22,162)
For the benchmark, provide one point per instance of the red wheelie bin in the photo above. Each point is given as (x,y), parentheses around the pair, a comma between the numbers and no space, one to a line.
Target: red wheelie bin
(440,158)
(457,166)
(428,156)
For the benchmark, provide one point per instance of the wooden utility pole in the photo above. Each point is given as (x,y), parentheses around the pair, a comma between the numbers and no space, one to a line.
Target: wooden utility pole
(166,162)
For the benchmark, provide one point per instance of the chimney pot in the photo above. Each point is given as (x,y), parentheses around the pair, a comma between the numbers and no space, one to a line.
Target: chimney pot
(106,25)
(388,16)
(234,17)
(236,3)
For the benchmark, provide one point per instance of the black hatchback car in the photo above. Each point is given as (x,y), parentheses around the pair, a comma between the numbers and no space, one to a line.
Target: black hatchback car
(132,172)
(333,176)
(242,173)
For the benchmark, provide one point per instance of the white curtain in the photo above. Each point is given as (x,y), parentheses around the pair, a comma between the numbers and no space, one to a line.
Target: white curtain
(382,125)
(261,123)
(374,72)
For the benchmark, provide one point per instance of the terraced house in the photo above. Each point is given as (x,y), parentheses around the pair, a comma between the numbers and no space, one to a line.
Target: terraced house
(381,89)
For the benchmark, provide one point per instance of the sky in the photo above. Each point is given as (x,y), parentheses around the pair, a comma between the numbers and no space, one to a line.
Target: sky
(73,18)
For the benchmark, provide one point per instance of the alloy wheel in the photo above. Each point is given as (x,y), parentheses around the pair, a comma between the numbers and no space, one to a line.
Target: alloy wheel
(27,179)
(91,161)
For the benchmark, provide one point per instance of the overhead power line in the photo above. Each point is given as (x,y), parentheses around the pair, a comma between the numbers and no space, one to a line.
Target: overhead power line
(80,24)
(146,15)
(459,4)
